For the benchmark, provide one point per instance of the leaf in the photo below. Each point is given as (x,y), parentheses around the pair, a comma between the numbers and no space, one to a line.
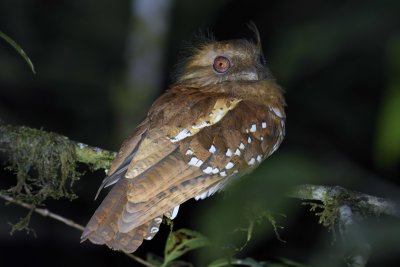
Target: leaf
(181,242)
(388,137)
(388,130)
(18,49)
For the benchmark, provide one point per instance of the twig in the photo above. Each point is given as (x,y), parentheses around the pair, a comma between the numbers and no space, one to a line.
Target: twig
(47,213)
(43,212)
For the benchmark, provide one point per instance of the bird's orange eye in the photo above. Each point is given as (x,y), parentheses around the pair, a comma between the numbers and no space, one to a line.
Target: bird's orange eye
(221,64)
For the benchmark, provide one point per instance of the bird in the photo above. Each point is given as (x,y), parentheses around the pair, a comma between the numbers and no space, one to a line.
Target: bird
(222,116)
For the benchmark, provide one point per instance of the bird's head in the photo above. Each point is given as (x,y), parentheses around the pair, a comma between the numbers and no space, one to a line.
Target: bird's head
(214,62)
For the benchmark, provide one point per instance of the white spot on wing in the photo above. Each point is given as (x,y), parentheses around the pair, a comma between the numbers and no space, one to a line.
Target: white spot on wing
(219,116)
(195,162)
(211,191)
(264,125)
(199,162)
(241,146)
(153,230)
(201,196)
(228,152)
(262,138)
(223,173)
(181,135)
(207,170)
(253,128)
(251,161)
(229,165)
(174,212)
(259,158)
(212,149)
(237,152)
(189,152)
(158,220)
(249,140)
(215,171)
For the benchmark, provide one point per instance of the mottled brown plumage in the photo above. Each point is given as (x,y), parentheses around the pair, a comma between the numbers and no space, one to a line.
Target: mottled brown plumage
(220,120)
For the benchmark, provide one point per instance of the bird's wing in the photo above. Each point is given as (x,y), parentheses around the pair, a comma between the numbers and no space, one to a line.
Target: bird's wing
(190,143)
(247,136)
(202,141)
(151,163)
(122,160)
(161,159)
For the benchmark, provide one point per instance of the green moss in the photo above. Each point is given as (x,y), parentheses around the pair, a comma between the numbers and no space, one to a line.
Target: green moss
(23,224)
(328,210)
(258,218)
(96,158)
(44,164)
(327,213)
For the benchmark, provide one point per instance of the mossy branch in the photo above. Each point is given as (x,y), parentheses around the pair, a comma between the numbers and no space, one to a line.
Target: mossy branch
(15,138)
(45,164)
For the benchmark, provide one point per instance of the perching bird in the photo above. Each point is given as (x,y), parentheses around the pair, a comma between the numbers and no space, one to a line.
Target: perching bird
(222,117)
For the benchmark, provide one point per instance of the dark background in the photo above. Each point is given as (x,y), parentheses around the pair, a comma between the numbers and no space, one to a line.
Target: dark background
(338,61)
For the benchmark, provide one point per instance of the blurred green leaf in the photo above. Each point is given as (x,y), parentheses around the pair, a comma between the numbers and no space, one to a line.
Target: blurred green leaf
(291,263)
(229,262)
(388,131)
(253,263)
(18,49)
(181,242)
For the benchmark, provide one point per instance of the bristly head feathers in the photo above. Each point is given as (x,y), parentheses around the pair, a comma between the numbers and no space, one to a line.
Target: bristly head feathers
(213,62)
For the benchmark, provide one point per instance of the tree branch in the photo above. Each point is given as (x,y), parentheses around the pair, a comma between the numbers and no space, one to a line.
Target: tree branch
(371,204)
(93,156)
